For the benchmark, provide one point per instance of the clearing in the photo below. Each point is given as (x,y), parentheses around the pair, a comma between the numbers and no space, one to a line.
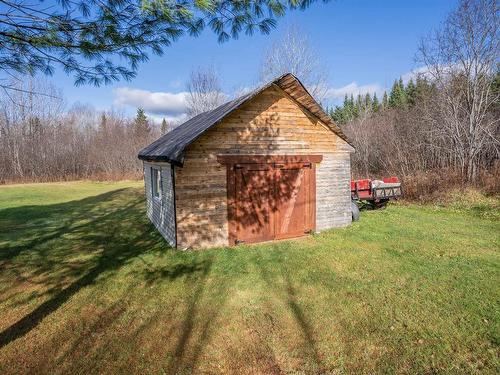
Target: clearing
(88,286)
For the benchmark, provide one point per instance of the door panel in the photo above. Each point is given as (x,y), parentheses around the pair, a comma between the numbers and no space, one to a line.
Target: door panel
(293,200)
(270,200)
(254,217)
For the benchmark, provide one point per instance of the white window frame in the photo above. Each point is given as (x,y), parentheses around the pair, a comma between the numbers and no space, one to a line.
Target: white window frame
(156,183)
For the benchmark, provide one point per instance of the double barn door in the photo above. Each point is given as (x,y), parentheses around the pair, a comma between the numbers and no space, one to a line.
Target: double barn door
(271,198)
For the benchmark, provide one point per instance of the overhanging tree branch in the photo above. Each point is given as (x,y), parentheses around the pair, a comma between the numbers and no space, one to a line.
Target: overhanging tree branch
(73,34)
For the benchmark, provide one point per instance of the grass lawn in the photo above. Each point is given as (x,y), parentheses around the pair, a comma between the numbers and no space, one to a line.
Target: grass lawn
(87,286)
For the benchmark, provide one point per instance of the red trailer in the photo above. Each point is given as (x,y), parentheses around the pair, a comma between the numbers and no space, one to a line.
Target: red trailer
(376,193)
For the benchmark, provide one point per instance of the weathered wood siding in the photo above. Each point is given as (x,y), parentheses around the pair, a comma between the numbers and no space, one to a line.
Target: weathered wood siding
(161,211)
(333,193)
(271,123)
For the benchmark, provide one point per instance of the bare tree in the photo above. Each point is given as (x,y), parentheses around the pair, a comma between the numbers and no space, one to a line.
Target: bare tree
(294,53)
(26,121)
(41,141)
(462,58)
(204,91)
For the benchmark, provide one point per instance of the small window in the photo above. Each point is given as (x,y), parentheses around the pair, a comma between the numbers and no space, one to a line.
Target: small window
(156,182)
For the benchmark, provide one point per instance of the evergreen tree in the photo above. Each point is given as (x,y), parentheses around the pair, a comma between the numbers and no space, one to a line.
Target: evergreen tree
(348,108)
(368,102)
(397,96)
(375,103)
(358,106)
(403,98)
(141,124)
(341,114)
(394,95)
(411,92)
(346,101)
(422,87)
(385,101)
(338,114)
(351,109)
(89,38)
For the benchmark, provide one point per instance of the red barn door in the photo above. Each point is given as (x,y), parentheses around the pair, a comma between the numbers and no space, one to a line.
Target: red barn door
(270,197)
(254,219)
(293,199)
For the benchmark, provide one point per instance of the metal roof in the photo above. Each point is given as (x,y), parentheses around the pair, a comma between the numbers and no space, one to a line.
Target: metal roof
(170,147)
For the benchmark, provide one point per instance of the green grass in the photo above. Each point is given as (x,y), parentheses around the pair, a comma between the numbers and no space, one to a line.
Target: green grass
(88,286)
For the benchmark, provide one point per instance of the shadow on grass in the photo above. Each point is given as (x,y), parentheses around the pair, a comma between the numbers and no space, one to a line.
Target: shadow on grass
(79,241)
(203,308)
(32,226)
(65,247)
(279,280)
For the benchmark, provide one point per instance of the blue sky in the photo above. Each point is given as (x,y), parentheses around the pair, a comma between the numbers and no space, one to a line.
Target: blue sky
(363,43)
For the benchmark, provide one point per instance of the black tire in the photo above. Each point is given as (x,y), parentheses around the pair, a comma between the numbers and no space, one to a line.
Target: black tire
(355,211)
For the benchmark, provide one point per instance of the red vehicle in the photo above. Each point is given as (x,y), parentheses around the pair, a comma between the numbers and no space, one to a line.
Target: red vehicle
(375,193)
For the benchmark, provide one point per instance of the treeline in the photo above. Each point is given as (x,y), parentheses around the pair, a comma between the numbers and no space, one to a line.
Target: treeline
(400,96)
(410,134)
(443,130)
(40,140)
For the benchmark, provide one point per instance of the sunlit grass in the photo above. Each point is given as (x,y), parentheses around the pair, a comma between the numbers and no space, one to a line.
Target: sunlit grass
(88,286)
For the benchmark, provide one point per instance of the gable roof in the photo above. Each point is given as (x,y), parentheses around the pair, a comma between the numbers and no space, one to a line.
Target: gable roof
(170,147)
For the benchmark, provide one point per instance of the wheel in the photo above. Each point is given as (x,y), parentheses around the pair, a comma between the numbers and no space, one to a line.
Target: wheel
(355,211)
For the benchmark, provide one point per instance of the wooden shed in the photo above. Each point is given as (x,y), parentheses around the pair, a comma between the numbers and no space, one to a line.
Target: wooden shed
(268,165)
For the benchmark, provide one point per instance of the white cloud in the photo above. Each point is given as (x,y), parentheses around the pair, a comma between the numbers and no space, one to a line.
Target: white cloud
(423,71)
(353,89)
(168,104)
(172,120)
(433,72)
(173,106)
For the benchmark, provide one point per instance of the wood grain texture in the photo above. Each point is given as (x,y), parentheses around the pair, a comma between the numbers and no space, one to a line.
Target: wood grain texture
(271,123)
(270,196)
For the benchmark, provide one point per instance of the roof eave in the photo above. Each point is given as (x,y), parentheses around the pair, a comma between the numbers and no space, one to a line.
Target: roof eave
(160,159)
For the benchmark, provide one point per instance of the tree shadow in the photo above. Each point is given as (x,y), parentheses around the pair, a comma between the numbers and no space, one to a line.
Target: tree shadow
(55,251)
(30,224)
(280,282)
(204,306)
(188,337)
(65,247)
(203,300)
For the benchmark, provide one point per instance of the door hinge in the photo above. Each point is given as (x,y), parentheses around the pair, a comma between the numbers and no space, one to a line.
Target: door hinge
(308,231)
(238,242)
(307,165)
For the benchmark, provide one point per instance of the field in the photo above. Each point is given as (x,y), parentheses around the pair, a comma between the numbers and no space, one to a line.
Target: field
(87,286)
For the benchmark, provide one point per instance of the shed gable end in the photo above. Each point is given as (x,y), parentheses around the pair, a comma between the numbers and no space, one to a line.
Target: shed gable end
(270,123)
